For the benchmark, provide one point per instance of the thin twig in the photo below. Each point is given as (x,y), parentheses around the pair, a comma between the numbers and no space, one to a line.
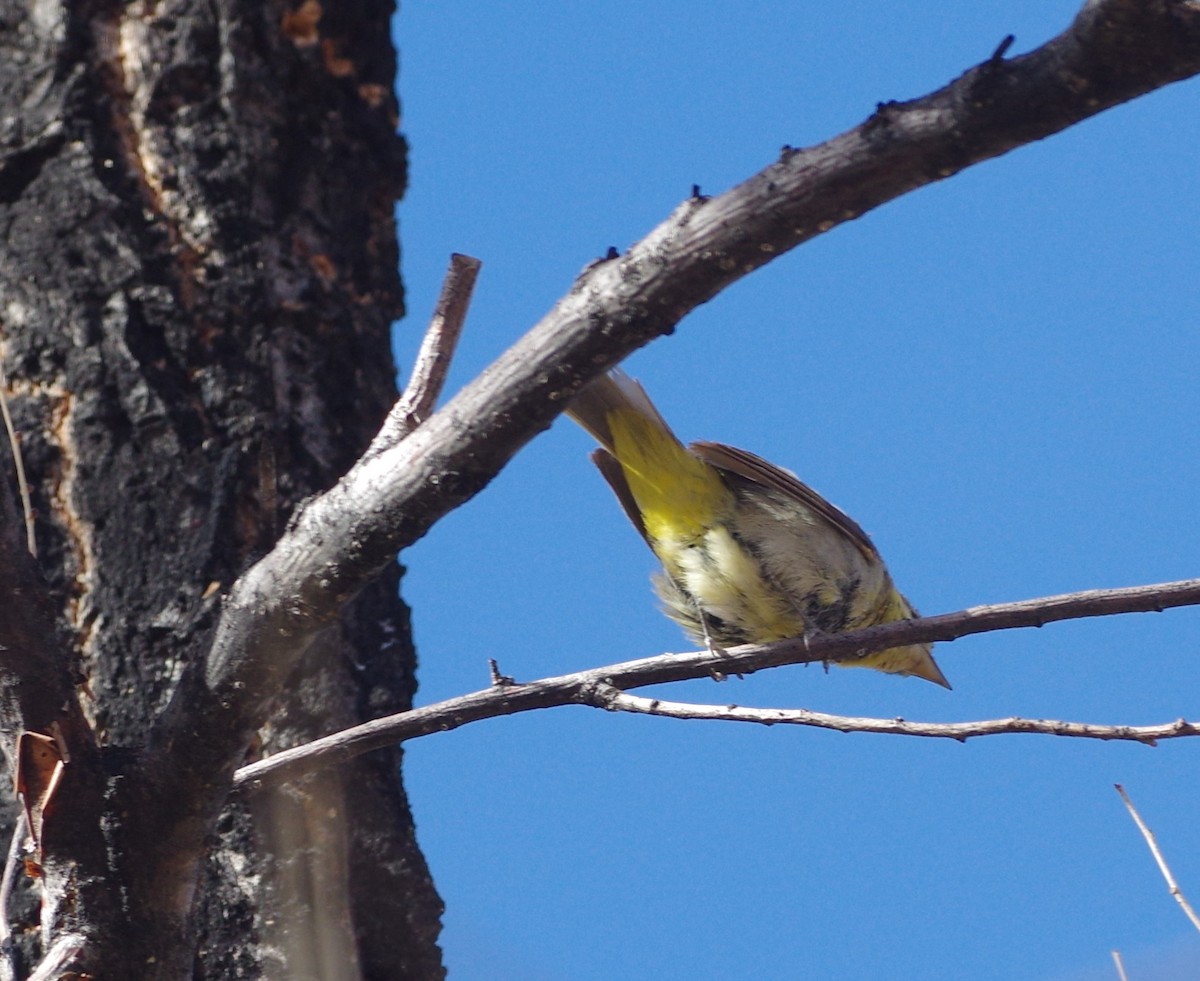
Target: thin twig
(582,687)
(19,463)
(433,359)
(1165,869)
(8,964)
(1121,975)
(616,700)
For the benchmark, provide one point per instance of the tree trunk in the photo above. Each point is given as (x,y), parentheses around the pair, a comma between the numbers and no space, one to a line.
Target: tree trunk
(198,275)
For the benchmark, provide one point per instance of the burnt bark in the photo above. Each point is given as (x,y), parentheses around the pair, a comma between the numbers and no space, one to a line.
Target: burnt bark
(198,273)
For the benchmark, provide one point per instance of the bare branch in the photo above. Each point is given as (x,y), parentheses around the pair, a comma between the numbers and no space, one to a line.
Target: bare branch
(594,686)
(607,697)
(1026,613)
(618,305)
(1165,869)
(434,357)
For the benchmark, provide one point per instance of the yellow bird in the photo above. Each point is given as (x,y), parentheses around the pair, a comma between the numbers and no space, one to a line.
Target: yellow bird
(750,554)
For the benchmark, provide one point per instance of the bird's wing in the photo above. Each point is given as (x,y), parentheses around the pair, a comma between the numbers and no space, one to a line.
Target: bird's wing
(754,468)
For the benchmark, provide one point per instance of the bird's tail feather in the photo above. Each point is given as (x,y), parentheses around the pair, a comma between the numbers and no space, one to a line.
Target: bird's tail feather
(613,392)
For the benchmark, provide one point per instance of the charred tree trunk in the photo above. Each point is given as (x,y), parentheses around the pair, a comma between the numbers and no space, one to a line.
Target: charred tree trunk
(197,275)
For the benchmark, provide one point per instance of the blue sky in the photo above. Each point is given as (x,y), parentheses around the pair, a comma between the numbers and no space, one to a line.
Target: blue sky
(996,375)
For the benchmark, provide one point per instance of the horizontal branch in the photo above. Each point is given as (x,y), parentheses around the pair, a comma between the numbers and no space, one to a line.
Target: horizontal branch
(593,687)
(615,700)
(1153,598)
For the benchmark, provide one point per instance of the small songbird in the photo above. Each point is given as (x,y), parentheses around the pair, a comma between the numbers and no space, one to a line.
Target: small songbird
(750,554)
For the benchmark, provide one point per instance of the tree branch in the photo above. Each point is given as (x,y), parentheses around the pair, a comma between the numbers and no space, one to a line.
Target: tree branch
(595,686)
(615,700)
(1160,860)
(433,359)
(1114,51)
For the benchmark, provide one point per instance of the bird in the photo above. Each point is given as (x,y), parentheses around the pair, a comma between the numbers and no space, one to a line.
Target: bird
(750,554)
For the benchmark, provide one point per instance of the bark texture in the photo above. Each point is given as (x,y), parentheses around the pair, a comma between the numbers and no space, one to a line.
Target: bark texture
(198,274)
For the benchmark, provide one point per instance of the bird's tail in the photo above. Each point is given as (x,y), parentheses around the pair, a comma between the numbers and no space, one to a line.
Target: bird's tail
(611,396)
(668,492)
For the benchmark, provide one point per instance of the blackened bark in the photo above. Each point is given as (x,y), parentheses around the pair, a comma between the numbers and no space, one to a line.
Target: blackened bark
(198,273)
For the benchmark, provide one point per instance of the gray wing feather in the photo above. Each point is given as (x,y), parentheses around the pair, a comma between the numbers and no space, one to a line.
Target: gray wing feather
(756,469)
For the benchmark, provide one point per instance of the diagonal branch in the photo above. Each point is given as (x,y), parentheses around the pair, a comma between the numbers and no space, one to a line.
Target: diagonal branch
(1160,860)
(618,305)
(594,686)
